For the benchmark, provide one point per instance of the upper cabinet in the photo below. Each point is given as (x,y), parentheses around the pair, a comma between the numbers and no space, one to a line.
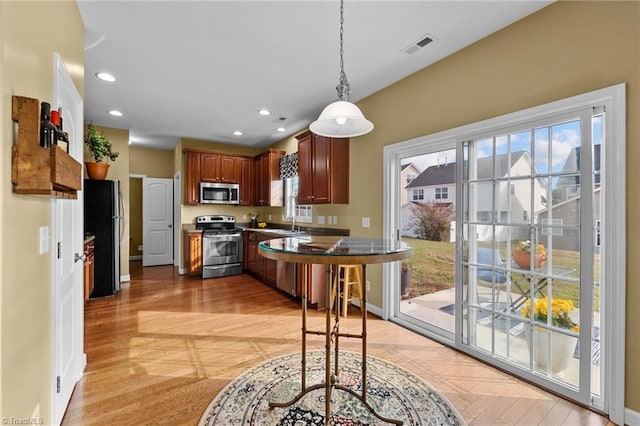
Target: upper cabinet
(247,180)
(219,168)
(269,187)
(192,178)
(323,169)
(207,166)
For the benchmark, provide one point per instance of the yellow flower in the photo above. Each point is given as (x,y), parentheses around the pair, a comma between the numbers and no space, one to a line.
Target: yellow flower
(560,309)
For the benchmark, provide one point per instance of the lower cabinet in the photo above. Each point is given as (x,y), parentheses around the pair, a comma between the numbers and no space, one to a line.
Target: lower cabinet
(282,275)
(260,266)
(193,252)
(88,269)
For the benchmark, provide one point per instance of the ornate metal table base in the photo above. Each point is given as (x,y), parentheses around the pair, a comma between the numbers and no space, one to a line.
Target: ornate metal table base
(332,339)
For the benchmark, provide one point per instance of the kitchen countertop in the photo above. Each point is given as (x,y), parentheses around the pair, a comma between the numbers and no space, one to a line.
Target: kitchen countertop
(279,229)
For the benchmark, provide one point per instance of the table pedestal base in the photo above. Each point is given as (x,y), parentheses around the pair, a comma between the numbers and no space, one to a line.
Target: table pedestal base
(332,335)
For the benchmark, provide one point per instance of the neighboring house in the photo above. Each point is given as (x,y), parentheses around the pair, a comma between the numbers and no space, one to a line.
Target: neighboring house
(437,183)
(566,202)
(568,187)
(408,173)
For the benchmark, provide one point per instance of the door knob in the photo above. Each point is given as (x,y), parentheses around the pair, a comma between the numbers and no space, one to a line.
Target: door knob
(170,226)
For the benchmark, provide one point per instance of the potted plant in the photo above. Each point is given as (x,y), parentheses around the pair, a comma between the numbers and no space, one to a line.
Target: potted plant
(406,269)
(101,151)
(522,254)
(562,345)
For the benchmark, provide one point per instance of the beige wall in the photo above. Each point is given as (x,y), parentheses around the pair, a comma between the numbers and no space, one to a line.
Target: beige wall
(26,69)
(563,50)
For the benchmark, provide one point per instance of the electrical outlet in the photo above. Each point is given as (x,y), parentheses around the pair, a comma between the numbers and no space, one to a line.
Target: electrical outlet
(335,220)
(320,220)
(330,219)
(245,217)
(368,285)
(269,217)
(366,222)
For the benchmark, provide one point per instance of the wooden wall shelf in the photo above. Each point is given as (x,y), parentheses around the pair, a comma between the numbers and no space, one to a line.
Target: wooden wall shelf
(37,170)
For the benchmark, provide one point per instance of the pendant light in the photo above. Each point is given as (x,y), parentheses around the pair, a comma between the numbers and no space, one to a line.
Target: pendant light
(341,119)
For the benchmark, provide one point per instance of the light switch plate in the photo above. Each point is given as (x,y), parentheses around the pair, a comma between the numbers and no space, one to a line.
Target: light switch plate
(320,220)
(366,222)
(44,239)
(335,220)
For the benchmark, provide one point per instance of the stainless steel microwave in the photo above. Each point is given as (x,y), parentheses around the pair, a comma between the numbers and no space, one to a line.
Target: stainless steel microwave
(219,193)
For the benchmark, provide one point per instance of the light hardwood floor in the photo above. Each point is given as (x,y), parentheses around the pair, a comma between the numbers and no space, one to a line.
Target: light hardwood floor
(160,350)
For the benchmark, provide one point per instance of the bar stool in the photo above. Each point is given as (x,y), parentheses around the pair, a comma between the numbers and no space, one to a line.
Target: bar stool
(347,276)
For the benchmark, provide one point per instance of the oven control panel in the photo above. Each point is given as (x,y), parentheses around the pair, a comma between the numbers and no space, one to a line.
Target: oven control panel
(215,219)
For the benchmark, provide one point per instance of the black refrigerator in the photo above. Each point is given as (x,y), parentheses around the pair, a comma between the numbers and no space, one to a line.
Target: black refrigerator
(104,218)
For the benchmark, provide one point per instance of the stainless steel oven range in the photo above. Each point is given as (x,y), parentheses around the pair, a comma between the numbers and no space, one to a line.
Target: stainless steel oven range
(221,246)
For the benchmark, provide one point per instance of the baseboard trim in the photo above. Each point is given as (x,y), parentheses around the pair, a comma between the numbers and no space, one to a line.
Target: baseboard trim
(631,418)
(137,257)
(125,278)
(182,271)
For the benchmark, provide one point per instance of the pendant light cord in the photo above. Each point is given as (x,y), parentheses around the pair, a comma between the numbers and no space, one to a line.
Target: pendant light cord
(343,88)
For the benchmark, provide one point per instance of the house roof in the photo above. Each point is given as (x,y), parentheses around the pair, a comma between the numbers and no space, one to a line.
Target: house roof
(444,174)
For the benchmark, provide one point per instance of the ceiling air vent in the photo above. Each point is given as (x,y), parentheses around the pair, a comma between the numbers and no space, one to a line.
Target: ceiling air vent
(418,44)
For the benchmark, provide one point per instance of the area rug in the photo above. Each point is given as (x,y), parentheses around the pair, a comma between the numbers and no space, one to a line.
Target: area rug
(393,392)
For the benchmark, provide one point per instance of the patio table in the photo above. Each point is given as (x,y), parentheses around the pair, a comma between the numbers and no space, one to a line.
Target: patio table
(538,277)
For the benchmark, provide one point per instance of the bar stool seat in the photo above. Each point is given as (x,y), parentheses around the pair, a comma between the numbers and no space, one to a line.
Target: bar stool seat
(347,285)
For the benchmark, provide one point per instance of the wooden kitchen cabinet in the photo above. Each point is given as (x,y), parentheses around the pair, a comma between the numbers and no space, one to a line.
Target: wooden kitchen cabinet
(220,168)
(263,268)
(247,178)
(209,166)
(323,169)
(88,268)
(193,252)
(269,187)
(192,178)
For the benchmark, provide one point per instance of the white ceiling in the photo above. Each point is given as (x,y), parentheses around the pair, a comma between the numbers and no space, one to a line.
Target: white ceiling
(203,69)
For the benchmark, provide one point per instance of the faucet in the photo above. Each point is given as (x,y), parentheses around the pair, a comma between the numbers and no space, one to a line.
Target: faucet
(293,222)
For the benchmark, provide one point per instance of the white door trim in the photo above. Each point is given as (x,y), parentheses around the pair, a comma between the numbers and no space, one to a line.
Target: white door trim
(62,79)
(176,219)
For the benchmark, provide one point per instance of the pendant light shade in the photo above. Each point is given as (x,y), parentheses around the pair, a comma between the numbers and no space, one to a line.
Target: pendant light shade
(341,119)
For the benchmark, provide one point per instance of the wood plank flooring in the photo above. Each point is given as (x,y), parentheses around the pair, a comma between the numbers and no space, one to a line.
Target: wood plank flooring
(160,350)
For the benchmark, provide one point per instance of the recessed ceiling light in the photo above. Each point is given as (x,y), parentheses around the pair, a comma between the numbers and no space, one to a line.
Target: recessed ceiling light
(105,76)
(281,129)
(115,113)
(237,133)
(264,111)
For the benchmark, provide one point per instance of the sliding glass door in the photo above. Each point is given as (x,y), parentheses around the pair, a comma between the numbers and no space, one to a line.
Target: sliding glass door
(529,275)
(529,258)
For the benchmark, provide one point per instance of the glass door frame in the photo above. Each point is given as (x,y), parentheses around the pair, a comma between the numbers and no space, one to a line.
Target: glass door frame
(391,199)
(613,232)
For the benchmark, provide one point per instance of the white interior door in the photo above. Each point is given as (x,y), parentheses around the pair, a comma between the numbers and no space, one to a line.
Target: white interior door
(67,270)
(157,221)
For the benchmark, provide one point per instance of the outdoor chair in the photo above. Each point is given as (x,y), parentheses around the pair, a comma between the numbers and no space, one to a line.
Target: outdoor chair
(487,274)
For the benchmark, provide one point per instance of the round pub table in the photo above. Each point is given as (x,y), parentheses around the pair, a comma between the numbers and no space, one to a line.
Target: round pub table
(333,251)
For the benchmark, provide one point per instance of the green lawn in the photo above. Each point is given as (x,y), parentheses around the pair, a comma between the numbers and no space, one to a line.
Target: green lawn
(433,270)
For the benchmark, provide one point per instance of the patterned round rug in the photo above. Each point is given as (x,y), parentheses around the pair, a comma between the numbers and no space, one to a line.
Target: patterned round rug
(391,390)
